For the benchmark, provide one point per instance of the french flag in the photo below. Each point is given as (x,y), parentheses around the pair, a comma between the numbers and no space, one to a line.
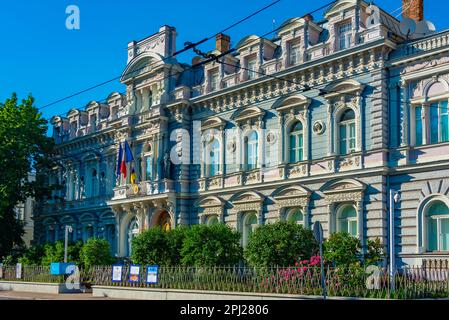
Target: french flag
(124,156)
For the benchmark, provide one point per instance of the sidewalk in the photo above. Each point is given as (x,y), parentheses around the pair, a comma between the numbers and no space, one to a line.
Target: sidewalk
(16,295)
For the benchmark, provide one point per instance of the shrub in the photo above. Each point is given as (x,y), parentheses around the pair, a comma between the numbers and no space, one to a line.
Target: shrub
(54,252)
(375,252)
(96,252)
(342,249)
(151,247)
(279,244)
(33,256)
(175,240)
(214,245)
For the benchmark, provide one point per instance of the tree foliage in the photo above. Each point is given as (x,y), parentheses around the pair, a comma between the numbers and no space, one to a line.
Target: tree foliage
(342,249)
(279,244)
(151,247)
(214,245)
(54,252)
(24,148)
(96,252)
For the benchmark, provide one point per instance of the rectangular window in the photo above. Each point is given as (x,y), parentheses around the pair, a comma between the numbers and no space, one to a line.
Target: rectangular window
(352,137)
(295,53)
(251,68)
(352,228)
(418,126)
(345,35)
(444,124)
(432,231)
(434,123)
(343,140)
(149,169)
(214,82)
(444,235)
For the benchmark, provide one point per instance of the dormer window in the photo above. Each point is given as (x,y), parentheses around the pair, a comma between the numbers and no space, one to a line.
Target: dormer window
(251,66)
(345,35)
(294,53)
(214,81)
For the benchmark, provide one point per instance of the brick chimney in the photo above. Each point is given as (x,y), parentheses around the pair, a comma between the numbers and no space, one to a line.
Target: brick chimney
(222,42)
(413,9)
(308,17)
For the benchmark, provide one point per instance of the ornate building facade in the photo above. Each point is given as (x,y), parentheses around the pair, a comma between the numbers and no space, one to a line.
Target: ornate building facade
(317,124)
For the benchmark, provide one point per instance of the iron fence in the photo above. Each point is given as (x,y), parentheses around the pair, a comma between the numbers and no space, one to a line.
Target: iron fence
(410,282)
(30,274)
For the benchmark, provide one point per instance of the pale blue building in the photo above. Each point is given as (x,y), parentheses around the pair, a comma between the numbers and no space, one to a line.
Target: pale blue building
(317,124)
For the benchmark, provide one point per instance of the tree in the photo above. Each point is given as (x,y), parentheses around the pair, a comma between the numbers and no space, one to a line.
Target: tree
(279,244)
(24,148)
(33,256)
(54,252)
(375,253)
(175,240)
(342,249)
(214,245)
(96,252)
(151,247)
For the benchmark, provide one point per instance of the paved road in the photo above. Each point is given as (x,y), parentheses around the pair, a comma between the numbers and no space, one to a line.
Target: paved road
(14,295)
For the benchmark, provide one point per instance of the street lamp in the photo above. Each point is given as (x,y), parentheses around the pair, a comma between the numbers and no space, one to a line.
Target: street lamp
(394,198)
(66,240)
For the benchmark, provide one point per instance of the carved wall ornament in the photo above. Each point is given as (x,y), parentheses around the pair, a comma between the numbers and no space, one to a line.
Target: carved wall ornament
(319,127)
(271,138)
(231,146)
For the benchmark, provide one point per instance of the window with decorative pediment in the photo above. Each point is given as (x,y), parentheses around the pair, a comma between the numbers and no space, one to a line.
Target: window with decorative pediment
(250,148)
(295,215)
(345,206)
(249,225)
(297,143)
(294,127)
(346,132)
(213,136)
(344,117)
(347,219)
(252,151)
(211,210)
(429,111)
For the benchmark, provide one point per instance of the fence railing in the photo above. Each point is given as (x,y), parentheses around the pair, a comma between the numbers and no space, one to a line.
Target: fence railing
(30,274)
(410,282)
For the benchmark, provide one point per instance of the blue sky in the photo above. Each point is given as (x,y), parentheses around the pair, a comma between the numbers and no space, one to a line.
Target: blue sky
(39,55)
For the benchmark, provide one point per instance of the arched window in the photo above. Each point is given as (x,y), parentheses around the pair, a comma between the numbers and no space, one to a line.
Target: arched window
(438,227)
(214,158)
(297,143)
(51,234)
(252,151)
(149,163)
(249,225)
(347,220)
(212,220)
(93,183)
(296,216)
(110,237)
(133,231)
(89,232)
(347,135)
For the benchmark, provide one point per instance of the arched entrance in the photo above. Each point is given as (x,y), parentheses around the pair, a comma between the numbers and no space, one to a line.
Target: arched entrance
(163,220)
(133,231)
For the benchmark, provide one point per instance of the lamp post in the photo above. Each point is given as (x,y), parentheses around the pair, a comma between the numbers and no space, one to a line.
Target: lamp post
(394,198)
(318,233)
(66,240)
